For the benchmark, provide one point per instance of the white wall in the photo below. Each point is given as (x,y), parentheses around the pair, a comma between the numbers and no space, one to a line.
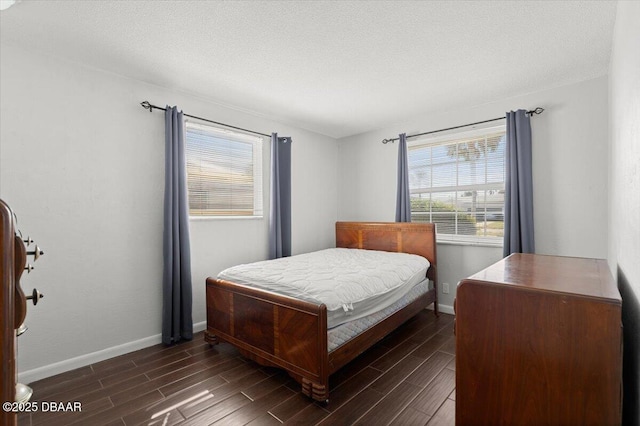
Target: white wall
(569,172)
(624,226)
(82,165)
(624,194)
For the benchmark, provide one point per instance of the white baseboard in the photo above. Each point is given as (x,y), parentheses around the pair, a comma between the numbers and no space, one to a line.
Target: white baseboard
(445,309)
(83,360)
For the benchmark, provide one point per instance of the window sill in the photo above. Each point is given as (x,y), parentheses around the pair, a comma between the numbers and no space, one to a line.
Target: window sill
(207,218)
(471,243)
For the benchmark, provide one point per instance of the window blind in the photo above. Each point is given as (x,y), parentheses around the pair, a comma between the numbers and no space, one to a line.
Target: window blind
(457,182)
(224,172)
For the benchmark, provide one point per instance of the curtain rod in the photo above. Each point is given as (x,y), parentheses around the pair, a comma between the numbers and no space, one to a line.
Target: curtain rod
(537,110)
(150,107)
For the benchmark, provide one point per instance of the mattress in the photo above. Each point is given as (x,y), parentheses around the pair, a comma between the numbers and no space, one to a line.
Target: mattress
(341,334)
(352,283)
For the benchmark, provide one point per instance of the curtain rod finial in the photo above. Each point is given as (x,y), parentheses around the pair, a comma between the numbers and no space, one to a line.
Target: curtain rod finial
(146,105)
(536,111)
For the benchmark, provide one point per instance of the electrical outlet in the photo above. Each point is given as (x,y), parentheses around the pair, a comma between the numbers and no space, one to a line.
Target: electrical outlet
(445,288)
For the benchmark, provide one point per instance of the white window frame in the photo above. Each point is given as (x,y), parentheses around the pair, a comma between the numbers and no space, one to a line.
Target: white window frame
(258,171)
(445,139)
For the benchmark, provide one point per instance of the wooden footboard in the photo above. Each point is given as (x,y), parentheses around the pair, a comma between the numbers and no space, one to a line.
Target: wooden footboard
(271,329)
(281,331)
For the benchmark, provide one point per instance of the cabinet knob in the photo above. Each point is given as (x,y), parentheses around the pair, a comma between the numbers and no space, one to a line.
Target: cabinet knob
(23,393)
(23,327)
(35,296)
(35,253)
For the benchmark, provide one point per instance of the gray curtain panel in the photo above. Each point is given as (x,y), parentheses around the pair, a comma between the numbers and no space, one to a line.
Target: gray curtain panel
(403,200)
(518,204)
(177,323)
(280,198)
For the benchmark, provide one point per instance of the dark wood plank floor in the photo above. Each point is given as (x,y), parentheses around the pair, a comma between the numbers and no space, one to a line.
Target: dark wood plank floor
(406,379)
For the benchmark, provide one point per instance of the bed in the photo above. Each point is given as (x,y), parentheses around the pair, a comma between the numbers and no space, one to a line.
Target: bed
(292,333)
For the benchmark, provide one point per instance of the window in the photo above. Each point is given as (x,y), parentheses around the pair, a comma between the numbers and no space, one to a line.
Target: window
(457,181)
(224,172)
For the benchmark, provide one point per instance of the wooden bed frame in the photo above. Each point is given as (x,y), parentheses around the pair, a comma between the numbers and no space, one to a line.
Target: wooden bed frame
(285,332)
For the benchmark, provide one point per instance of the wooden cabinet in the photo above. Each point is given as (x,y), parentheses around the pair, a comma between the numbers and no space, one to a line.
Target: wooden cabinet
(9,301)
(13,304)
(539,342)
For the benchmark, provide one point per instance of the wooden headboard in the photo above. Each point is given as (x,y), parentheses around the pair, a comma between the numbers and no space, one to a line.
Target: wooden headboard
(413,238)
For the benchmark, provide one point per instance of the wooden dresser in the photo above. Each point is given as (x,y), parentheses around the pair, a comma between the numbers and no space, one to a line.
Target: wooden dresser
(539,342)
(13,309)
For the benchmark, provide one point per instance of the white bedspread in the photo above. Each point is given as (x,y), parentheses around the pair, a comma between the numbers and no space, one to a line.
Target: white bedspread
(352,283)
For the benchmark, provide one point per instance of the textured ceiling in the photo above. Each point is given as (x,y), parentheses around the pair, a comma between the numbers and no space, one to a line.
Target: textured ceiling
(337,68)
